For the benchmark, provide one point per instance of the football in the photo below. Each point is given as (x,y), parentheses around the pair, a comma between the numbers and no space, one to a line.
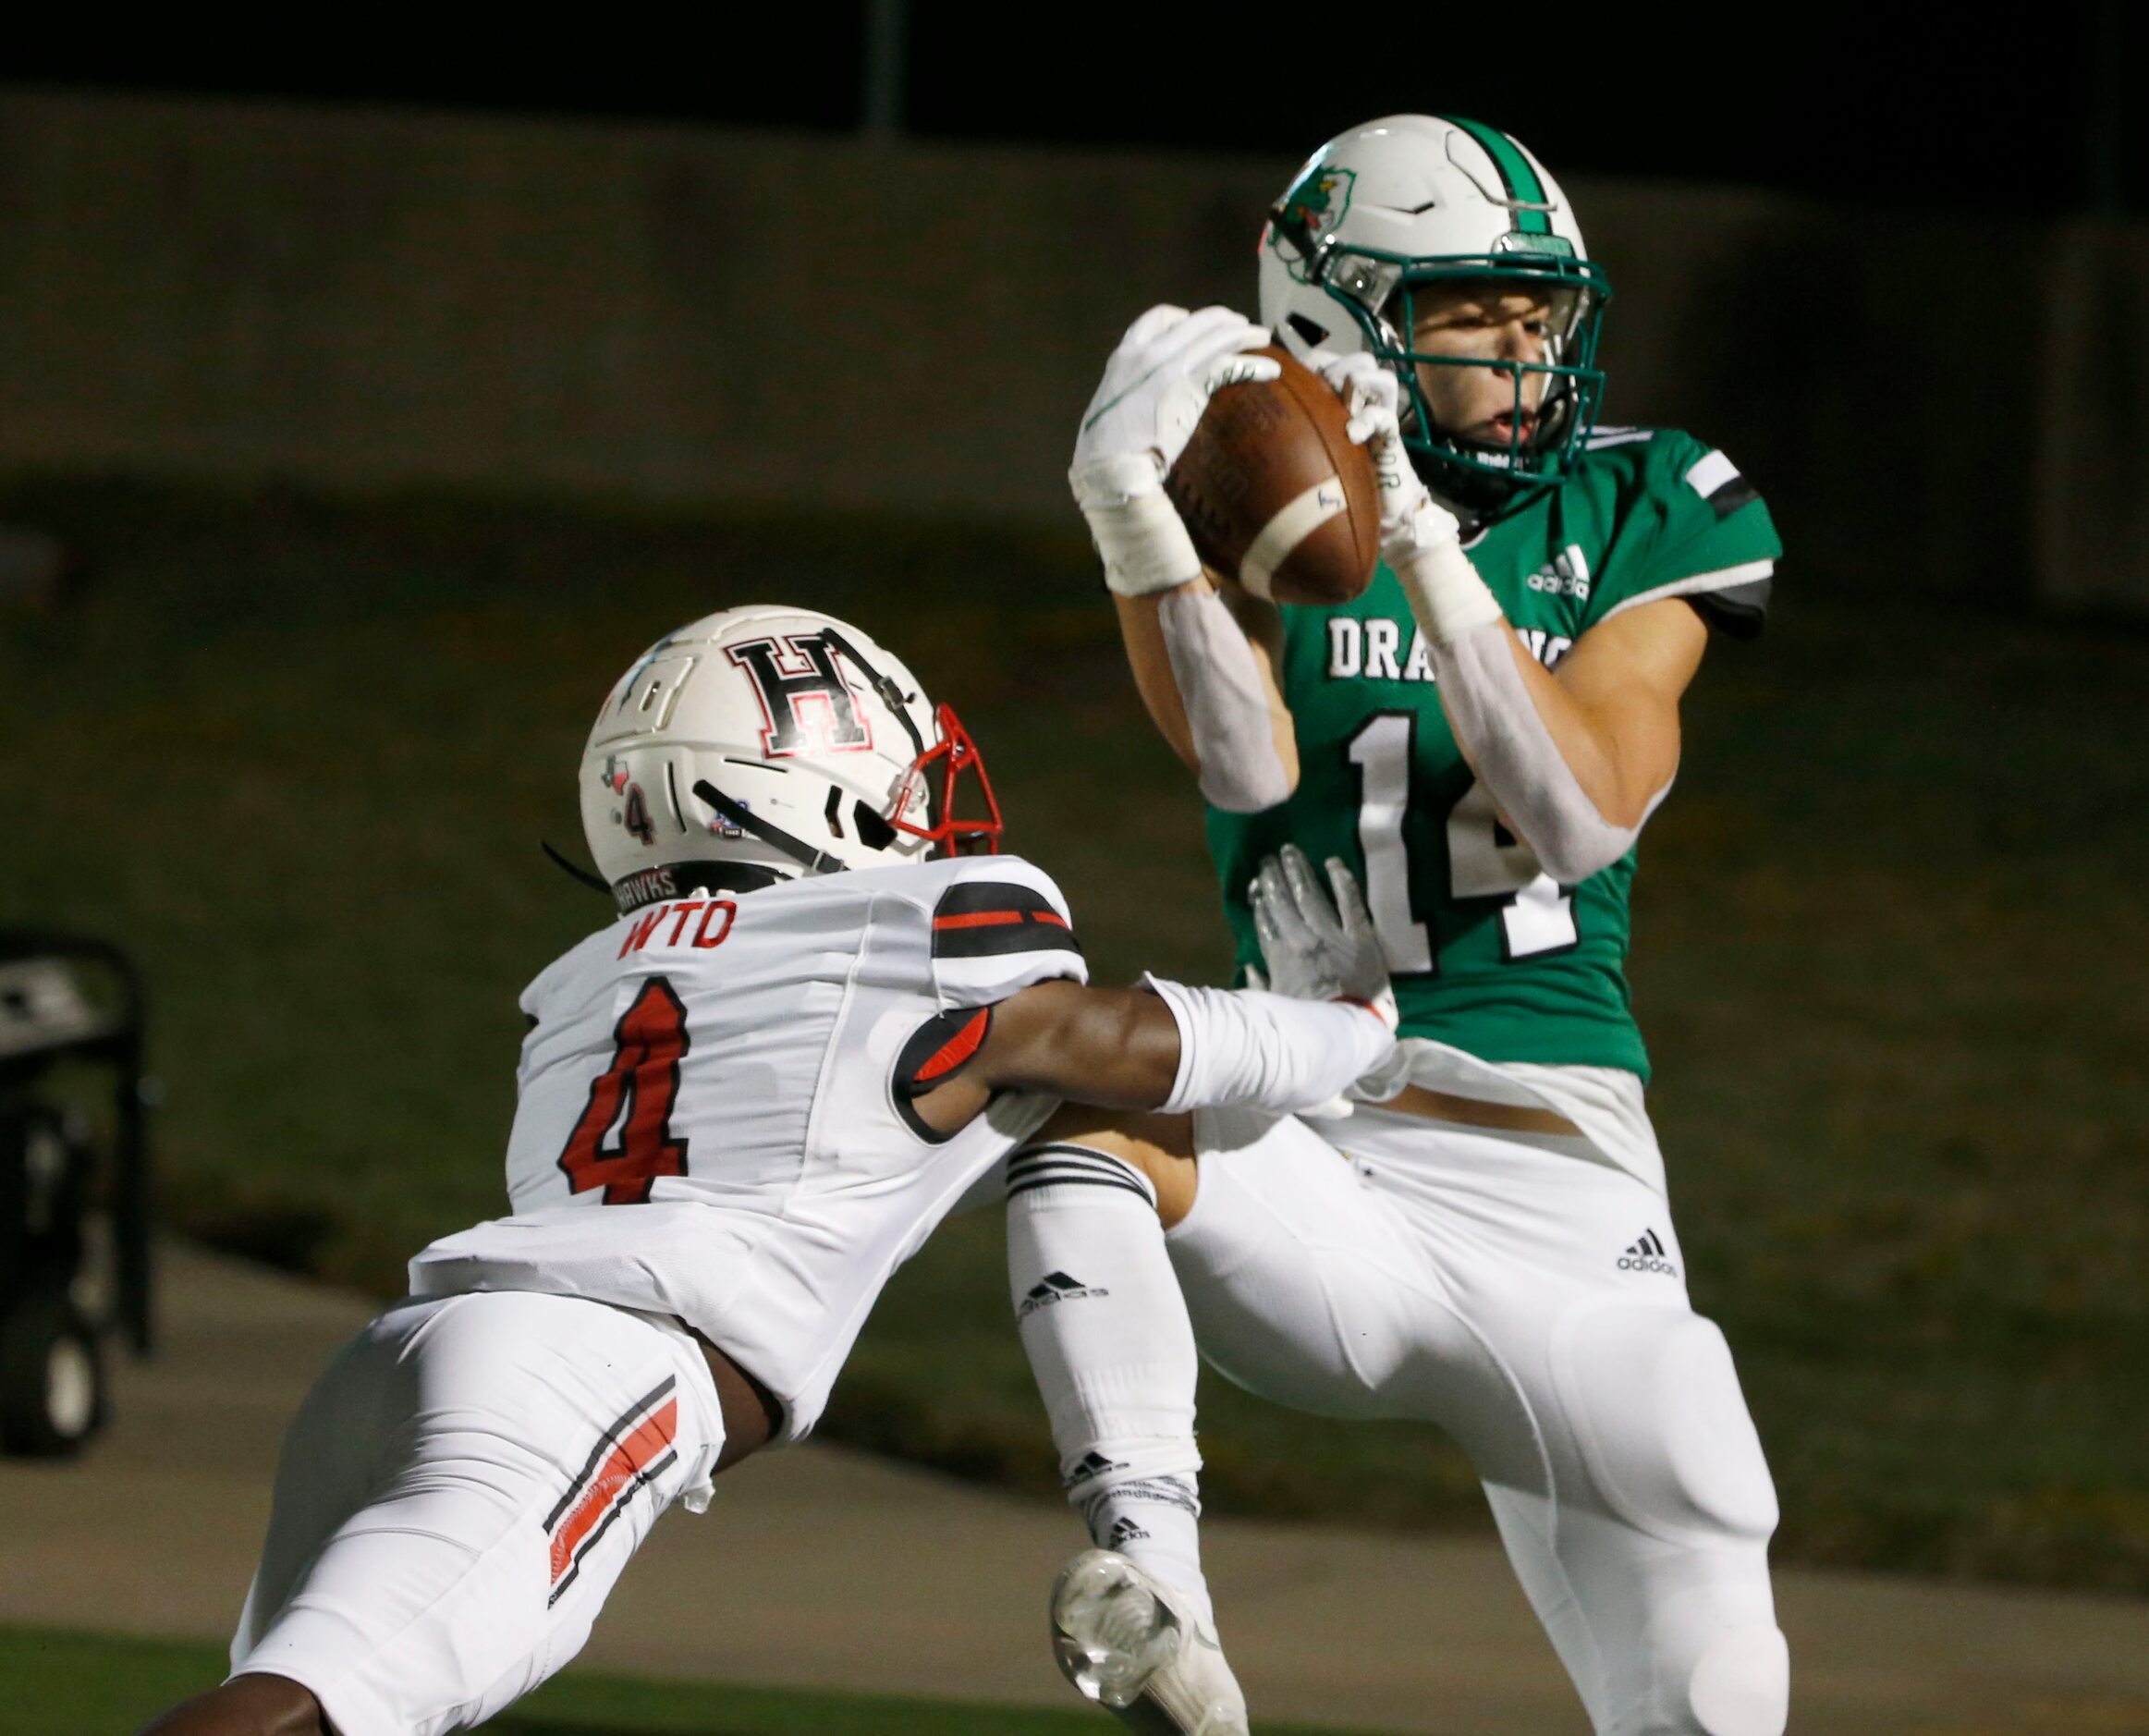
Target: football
(1274,494)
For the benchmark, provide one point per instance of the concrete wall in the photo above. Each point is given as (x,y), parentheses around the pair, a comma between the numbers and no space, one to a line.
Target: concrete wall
(363,299)
(2093,518)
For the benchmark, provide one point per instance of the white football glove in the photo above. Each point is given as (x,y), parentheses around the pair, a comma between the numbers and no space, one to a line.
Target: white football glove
(1315,950)
(1156,386)
(1418,537)
(1411,519)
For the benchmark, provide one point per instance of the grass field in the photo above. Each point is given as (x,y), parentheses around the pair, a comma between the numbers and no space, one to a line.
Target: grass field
(298,755)
(67,1684)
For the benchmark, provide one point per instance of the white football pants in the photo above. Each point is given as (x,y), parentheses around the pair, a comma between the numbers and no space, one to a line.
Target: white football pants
(1530,1300)
(457,1498)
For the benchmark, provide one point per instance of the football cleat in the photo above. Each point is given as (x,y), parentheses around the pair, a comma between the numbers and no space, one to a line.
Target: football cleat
(1128,1644)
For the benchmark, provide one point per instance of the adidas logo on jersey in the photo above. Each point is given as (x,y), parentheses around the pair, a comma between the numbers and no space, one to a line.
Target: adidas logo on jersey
(1054,1287)
(1647,1255)
(1568,576)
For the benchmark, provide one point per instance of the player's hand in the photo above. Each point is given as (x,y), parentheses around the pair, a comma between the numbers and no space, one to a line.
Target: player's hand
(1315,950)
(1411,519)
(1159,380)
(1154,389)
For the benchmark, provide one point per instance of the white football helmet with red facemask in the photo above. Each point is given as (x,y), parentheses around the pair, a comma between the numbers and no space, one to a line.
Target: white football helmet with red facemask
(763,743)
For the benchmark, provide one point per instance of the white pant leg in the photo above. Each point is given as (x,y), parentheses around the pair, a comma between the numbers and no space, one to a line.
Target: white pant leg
(1306,1286)
(1476,1281)
(456,1496)
(1643,1546)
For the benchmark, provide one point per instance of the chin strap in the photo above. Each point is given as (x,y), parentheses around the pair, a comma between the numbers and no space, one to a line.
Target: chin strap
(815,861)
(583,874)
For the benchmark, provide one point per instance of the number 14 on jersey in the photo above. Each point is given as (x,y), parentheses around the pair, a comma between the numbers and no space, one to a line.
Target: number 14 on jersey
(1485,859)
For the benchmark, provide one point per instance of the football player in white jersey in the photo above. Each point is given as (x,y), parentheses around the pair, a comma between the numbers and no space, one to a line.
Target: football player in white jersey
(816,1022)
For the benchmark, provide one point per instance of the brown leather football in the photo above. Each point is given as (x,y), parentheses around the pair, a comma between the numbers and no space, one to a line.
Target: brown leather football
(1274,494)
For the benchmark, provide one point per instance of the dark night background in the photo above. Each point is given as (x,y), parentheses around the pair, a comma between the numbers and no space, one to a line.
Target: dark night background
(2030,111)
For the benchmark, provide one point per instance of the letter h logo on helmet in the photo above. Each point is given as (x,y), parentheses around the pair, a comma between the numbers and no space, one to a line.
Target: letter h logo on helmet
(808,707)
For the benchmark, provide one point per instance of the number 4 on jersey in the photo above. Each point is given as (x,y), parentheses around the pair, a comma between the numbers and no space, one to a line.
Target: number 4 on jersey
(633,1098)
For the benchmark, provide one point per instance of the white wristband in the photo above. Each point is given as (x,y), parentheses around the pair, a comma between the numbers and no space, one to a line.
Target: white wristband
(1446,594)
(1243,1045)
(1137,531)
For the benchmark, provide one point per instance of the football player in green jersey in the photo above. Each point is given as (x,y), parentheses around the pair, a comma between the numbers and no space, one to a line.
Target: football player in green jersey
(1485,1244)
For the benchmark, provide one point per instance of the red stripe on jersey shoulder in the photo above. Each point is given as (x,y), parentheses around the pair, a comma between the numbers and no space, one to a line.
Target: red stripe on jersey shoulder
(980,919)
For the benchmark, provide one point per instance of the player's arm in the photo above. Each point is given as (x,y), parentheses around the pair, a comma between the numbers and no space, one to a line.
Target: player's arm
(1577,760)
(1115,1047)
(1206,671)
(1166,1046)
(1612,709)
(1204,658)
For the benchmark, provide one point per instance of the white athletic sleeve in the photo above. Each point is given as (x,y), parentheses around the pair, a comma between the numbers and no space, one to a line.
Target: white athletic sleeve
(1000,924)
(1271,1052)
(1219,683)
(1494,716)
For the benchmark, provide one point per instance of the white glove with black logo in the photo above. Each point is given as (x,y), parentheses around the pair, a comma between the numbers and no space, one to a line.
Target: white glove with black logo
(1156,386)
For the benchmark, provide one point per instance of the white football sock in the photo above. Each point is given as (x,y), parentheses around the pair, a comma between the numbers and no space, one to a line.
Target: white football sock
(1109,1343)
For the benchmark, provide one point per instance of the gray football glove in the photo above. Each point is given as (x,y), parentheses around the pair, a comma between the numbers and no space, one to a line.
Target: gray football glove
(1315,950)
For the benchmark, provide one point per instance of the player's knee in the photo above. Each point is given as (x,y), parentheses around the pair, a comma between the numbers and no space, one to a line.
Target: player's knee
(1740,1685)
(1659,1418)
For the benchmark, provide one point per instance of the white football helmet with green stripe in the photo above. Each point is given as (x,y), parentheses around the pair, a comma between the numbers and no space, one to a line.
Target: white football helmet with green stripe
(1382,211)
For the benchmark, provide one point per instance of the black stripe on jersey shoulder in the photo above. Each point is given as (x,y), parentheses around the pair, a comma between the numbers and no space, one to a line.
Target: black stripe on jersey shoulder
(1732,493)
(984,919)
(972,897)
(1737,611)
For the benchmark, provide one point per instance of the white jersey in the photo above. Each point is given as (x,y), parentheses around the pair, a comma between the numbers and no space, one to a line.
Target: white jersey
(714,1116)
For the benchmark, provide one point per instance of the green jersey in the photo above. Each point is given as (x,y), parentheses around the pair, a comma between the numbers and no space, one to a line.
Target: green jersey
(1489,954)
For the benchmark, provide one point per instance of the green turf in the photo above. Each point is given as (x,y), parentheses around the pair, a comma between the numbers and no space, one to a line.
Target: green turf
(72,1684)
(298,755)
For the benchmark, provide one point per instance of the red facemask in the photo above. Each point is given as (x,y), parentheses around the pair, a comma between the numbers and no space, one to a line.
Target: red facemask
(956,754)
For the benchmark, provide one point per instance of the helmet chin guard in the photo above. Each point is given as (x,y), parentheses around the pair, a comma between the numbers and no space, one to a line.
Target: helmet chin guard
(1389,211)
(954,753)
(764,742)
